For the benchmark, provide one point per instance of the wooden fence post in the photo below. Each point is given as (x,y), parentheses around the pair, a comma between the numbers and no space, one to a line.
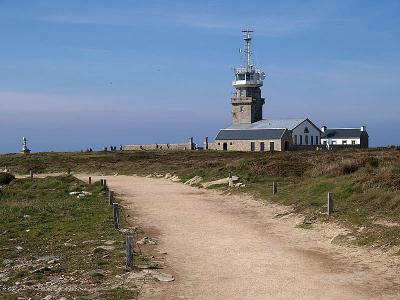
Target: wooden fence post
(105,183)
(129,252)
(69,171)
(230,181)
(116,215)
(30,173)
(274,187)
(90,180)
(111,197)
(330,203)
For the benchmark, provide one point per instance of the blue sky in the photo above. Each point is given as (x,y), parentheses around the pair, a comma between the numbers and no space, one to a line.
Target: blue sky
(77,74)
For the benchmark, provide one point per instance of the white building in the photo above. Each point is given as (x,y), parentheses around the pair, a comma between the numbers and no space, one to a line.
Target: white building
(345,137)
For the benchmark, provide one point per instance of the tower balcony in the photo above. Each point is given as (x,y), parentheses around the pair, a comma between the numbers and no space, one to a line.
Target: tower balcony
(248,77)
(248,83)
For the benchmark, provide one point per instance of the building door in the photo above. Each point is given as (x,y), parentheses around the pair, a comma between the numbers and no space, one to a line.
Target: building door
(252,146)
(286,146)
(225,146)
(262,147)
(271,146)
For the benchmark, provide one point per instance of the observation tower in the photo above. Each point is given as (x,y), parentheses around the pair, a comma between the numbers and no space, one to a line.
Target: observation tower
(247,102)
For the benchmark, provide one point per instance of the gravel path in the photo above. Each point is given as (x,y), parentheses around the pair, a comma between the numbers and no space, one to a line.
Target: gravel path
(232,247)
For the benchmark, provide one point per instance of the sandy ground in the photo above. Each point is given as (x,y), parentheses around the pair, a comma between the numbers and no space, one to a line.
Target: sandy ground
(233,247)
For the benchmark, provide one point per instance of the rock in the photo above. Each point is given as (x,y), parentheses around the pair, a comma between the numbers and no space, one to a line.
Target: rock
(282,215)
(163,277)
(308,220)
(219,181)
(74,193)
(194,180)
(146,241)
(19,248)
(159,175)
(68,244)
(27,216)
(89,242)
(116,174)
(50,259)
(7,262)
(107,248)
(4,277)
(175,179)
(97,273)
(167,176)
(109,242)
(239,184)
(41,270)
(48,297)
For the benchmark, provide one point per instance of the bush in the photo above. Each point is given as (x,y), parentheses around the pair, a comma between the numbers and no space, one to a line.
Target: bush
(6,178)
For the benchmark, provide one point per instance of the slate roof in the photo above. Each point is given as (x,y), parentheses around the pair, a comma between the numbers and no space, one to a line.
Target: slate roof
(250,134)
(341,133)
(270,123)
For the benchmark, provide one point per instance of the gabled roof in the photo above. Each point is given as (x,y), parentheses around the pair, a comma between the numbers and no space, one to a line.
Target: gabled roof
(341,133)
(272,124)
(250,134)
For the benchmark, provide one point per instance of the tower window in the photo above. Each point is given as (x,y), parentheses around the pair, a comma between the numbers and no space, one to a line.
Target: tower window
(240,77)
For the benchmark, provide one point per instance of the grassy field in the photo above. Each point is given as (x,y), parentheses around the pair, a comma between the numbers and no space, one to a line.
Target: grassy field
(53,243)
(365,183)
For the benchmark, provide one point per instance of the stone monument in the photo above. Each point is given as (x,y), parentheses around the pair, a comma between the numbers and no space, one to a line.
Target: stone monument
(25,149)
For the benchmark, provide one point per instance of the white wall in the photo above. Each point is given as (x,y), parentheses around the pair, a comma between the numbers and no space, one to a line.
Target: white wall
(340,141)
(312,131)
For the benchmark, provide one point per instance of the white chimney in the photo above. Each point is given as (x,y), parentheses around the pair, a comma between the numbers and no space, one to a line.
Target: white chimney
(323,128)
(363,128)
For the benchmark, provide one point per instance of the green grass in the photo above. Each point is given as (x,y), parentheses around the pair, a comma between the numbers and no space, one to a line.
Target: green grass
(365,183)
(41,216)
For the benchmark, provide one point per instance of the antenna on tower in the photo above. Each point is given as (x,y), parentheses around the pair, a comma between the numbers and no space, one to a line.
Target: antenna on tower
(247,46)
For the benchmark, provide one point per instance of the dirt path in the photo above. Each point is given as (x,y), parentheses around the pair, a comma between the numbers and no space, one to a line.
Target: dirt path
(231,247)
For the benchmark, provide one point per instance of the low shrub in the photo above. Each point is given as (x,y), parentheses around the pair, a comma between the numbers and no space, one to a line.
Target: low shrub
(6,178)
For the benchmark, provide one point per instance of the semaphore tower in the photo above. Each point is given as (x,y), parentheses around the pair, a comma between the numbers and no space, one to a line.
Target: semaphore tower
(247,102)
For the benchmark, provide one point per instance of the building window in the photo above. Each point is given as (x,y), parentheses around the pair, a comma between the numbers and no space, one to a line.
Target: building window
(344,142)
(324,142)
(306,139)
(316,140)
(219,144)
(231,143)
(353,142)
(252,146)
(262,146)
(306,130)
(301,139)
(241,109)
(333,142)
(295,139)
(312,140)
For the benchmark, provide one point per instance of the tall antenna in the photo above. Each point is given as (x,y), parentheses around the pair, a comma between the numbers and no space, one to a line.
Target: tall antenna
(247,46)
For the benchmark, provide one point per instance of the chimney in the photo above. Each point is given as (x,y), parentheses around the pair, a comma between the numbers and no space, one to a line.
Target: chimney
(206,143)
(323,128)
(363,128)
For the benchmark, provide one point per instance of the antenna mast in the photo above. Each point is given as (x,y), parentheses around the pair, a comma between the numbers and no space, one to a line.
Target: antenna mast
(247,46)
